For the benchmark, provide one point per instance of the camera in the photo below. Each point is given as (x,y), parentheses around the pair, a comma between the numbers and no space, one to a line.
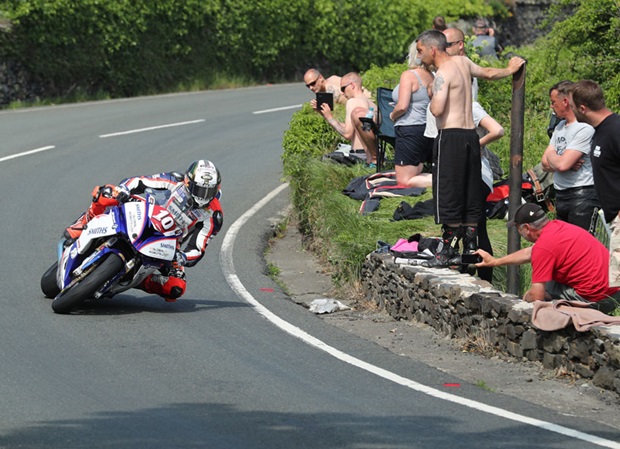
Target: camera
(470,259)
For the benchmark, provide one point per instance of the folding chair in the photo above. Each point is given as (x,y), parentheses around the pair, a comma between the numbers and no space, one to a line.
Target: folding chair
(385,126)
(599,228)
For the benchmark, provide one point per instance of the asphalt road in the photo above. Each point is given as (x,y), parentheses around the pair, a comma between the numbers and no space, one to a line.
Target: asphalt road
(233,364)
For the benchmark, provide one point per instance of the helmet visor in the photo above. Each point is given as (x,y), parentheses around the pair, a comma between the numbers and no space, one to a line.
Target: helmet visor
(201,193)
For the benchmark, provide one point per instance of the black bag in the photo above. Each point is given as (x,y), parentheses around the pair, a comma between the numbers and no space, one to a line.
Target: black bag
(404,211)
(341,158)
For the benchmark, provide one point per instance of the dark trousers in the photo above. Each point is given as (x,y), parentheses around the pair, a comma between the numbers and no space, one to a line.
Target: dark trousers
(576,205)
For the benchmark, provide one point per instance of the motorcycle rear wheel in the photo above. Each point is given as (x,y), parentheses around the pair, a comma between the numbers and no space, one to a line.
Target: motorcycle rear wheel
(87,287)
(49,287)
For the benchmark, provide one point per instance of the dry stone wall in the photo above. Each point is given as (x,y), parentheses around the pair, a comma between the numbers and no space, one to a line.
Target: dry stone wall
(463,306)
(15,84)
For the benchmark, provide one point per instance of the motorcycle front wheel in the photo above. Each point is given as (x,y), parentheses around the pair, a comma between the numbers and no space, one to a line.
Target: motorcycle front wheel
(87,287)
(49,287)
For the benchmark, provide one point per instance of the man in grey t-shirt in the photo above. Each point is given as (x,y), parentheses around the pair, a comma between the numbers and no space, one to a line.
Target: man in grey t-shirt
(568,157)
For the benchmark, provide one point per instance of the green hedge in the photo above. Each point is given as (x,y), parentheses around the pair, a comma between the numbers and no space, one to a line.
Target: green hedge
(129,47)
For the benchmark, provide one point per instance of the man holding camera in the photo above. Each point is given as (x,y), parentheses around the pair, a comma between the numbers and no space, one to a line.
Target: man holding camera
(357,106)
(567,261)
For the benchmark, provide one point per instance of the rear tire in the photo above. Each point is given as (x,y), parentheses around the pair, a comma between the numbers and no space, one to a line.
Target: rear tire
(49,287)
(87,287)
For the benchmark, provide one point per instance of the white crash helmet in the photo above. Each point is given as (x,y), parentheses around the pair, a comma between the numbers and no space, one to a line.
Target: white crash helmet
(203,180)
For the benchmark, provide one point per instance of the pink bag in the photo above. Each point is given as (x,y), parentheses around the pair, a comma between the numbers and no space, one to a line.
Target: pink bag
(405,249)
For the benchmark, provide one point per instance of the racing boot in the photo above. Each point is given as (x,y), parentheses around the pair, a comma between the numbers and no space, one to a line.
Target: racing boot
(448,254)
(103,197)
(73,232)
(470,239)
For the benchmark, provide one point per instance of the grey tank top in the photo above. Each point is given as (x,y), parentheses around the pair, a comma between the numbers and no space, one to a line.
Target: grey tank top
(416,112)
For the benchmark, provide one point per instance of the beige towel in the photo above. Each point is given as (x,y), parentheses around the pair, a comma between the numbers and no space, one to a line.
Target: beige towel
(554,315)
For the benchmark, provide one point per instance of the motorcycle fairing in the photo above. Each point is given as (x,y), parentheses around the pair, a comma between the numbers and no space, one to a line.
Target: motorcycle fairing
(158,248)
(135,219)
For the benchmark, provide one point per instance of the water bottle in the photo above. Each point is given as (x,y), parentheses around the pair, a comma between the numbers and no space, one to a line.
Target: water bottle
(369,115)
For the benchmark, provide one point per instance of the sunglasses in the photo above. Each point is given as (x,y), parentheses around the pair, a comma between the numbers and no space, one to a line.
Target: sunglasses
(343,88)
(309,85)
(450,44)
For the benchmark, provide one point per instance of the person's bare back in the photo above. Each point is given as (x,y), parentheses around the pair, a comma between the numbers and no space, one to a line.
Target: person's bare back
(451,103)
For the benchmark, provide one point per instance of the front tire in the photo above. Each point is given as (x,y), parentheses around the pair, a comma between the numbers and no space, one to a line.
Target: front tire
(49,287)
(87,287)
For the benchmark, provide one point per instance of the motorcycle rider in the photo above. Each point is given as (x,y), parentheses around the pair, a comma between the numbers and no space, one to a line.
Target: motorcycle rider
(202,179)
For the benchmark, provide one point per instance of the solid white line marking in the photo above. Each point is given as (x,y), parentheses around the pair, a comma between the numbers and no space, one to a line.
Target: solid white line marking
(284,108)
(236,285)
(26,153)
(134,131)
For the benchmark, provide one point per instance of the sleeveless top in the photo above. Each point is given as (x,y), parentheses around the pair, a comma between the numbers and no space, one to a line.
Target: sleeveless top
(416,112)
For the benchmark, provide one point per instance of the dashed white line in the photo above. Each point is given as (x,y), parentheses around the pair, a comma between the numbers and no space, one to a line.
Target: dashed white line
(284,108)
(151,128)
(236,285)
(26,153)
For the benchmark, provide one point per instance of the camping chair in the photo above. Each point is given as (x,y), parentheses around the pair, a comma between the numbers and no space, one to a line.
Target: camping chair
(599,228)
(385,132)
(383,127)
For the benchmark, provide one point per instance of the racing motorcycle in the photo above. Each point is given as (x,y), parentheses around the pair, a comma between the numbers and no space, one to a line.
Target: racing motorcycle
(118,249)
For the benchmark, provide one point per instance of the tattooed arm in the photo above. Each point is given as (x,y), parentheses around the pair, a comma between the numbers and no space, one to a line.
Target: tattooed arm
(440,95)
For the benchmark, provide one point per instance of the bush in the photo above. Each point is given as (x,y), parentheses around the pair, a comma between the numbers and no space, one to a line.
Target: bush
(145,46)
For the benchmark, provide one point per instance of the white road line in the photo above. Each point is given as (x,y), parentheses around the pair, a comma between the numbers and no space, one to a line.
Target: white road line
(284,108)
(141,130)
(236,285)
(26,153)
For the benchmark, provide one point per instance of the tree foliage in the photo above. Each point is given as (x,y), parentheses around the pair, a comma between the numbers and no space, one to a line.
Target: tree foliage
(128,47)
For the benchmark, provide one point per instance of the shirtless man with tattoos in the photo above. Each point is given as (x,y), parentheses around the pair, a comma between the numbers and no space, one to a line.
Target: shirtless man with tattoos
(456,153)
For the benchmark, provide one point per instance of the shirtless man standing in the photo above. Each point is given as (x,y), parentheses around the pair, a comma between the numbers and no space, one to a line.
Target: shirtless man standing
(357,106)
(456,152)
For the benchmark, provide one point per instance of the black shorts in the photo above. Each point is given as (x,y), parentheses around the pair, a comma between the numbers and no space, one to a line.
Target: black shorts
(457,179)
(412,147)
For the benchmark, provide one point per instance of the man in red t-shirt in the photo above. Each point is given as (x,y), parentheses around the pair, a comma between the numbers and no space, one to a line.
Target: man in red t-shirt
(567,261)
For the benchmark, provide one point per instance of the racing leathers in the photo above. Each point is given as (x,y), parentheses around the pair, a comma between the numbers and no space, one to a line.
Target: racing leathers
(206,222)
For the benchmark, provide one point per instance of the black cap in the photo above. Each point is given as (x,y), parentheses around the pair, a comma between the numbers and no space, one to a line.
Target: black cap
(527,213)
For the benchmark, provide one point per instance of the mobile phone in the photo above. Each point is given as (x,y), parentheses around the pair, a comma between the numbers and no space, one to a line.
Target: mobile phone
(470,259)
(324,97)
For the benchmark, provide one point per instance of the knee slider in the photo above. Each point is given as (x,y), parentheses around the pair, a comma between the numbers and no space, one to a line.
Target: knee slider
(174,287)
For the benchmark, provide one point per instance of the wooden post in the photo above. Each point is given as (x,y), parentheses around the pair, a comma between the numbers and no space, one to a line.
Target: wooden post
(517,125)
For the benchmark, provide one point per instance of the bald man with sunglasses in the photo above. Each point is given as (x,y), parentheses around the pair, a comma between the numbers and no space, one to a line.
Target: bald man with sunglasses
(316,82)
(357,106)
